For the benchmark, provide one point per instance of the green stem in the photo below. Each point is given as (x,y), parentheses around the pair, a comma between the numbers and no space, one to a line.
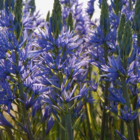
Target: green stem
(89,127)
(58,134)
(43,126)
(129,126)
(122,123)
(9,132)
(130,4)
(62,132)
(104,117)
(136,121)
(138,39)
(77,130)
(130,131)
(84,127)
(82,134)
(89,108)
(139,46)
(69,126)
(1,134)
(111,129)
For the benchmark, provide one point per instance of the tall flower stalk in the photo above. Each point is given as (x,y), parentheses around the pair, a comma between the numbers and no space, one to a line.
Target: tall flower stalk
(119,39)
(18,32)
(123,66)
(136,29)
(125,51)
(105,25)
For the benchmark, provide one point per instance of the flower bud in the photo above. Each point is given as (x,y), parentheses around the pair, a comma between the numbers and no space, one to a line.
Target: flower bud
(118,6)
(9,2)
(1,4)
(32,4)
(9,5)
(70,21)
(90,9)
(121,28)
(137,17)
(126,44)
(18,18)
(104,18)
(56,18)
(48,16)
(130,4)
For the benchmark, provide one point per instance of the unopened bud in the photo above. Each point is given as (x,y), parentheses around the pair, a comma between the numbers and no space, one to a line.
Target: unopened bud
(104,18)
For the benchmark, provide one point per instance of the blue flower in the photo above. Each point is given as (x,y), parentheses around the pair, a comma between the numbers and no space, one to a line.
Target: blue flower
(97,54)
(73,68)
(113,107)
(68,95)
(50,123)
(132,78)
(47,113)
(121,136)
(114,69)
(90,8)
(100,3)
(116,96)
(84,93)
(4,122)
(89,99)
(97,37)
(127,115)
(134,91)
(36,107)
(5,69)
(29,102)
(81,22)
(65,14)
(114,20)
(97,40)
(6,95)
(7,40)
(138,102)
(64,1)
(128,12)
(77,110)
